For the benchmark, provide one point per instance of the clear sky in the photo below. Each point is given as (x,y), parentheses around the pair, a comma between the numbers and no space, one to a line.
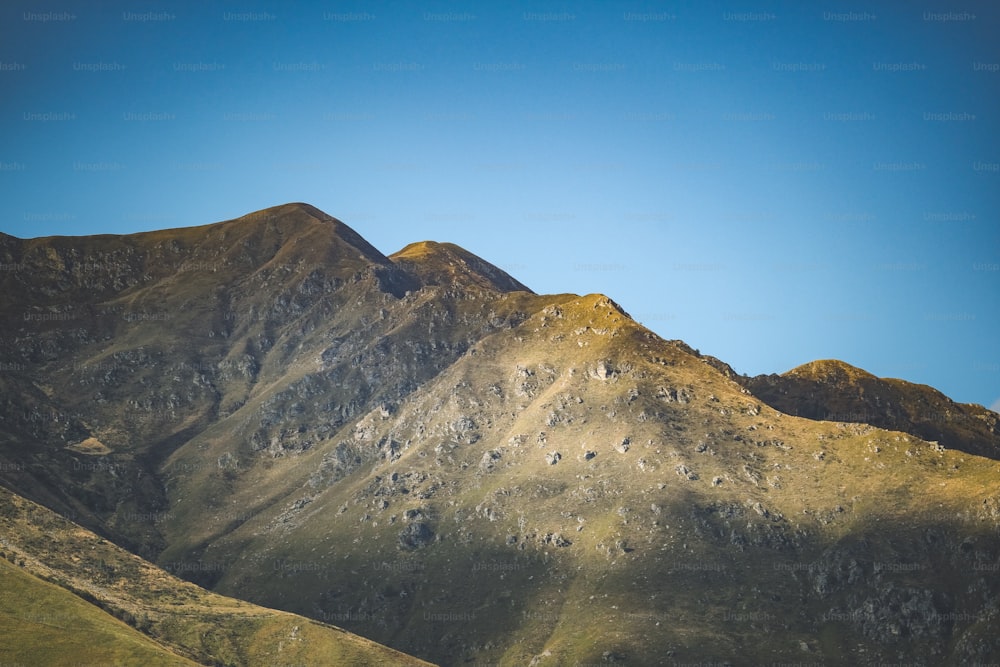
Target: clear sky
(772,182)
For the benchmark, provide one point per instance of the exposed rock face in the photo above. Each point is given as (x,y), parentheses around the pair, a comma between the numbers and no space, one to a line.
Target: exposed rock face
(419,449)
(416,535)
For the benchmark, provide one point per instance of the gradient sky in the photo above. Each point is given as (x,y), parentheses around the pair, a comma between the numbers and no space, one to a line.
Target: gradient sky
(772,182)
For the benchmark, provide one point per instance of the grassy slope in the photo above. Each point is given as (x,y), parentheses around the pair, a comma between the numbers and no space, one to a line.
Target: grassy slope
(206,627)
(43,624)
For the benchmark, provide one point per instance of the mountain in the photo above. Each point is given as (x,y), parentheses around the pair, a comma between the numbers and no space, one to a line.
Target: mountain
(94,603)
(836,391)
(419,449)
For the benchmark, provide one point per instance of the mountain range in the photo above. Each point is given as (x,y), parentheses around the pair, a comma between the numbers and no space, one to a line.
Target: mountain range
(267,417)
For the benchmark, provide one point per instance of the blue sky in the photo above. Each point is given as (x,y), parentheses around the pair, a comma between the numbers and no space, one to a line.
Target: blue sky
(772,182)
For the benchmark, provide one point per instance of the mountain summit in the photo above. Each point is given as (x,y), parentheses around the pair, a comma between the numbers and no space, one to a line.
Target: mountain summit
(446,264)
(419,449)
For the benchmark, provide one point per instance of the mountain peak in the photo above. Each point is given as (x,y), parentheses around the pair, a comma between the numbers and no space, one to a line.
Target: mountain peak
(296,216)
(829,370)
(446,263)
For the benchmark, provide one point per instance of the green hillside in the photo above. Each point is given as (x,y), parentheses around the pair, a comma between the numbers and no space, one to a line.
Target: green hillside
(71,597)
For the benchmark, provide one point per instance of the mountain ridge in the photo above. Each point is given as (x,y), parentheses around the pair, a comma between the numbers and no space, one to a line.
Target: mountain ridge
(836,391)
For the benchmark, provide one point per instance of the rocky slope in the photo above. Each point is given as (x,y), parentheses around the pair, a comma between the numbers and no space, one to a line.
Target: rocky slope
(419,449)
